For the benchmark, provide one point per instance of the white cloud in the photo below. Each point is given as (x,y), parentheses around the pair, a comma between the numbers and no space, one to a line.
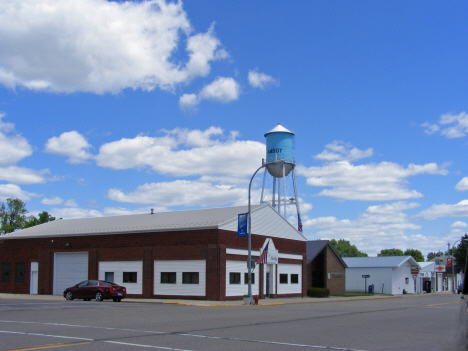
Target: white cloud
(13,146)
(459,224)
(174,155)
(371,182)
(444,210)
(52,201)
(449,125)
(70,203)
(70,144)
(120,211)
(462,185)
(21,175)
(73,212)
(341,151)
(14,191)
(222,89)
(261,80)
(188,101)
(101,46)
(379,227)
(182,193)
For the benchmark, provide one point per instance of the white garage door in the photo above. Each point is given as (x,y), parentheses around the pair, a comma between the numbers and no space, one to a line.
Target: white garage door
(70,268)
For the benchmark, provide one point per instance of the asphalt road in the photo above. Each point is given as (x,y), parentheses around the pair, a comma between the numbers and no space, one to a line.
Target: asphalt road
(429,322)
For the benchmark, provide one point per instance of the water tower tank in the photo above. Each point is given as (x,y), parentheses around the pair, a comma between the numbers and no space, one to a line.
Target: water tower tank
(279,146)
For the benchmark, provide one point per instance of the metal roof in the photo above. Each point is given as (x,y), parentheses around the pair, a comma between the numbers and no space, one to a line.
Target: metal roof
(314,247)
(279,128)
(378,262)
(212,218)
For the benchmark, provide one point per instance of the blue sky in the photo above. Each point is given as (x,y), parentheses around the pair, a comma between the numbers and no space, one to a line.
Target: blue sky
(112,108)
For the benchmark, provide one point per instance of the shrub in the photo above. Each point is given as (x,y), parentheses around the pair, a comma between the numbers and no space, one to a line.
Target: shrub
(318,292)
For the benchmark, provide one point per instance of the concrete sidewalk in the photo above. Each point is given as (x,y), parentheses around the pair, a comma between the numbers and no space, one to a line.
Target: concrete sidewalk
(263,302)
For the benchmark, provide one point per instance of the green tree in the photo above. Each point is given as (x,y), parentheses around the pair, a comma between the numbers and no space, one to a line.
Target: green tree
(344,247)
(12,216)
(432,255)
(459,252)
(42,217)
(390,252)
(416,254)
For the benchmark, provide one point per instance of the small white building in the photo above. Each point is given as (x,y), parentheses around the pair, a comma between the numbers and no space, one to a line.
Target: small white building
(388,274)
(427,278)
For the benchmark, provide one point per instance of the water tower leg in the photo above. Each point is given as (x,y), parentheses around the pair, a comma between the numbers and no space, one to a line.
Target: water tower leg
(284,189)
(279,196)
(273,203)
(299,224)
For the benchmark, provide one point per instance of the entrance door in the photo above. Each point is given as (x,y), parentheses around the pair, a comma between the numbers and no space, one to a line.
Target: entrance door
(267,284)
(33,282)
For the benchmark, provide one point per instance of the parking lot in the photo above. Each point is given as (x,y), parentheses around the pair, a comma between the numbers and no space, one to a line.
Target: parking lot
(428,322)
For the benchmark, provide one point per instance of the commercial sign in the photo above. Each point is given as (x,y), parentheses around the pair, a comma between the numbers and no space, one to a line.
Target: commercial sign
(414,271)
(272,257)
(449,263)
(440,268)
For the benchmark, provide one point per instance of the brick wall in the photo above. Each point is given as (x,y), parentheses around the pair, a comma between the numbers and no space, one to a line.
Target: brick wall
(208,244)
(336,283)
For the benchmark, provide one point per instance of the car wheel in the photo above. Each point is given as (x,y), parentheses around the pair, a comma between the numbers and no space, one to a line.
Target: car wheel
(99,296)
(69,295)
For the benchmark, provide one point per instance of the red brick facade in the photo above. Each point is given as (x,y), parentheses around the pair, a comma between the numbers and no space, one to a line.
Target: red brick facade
(209,245)
(327,271)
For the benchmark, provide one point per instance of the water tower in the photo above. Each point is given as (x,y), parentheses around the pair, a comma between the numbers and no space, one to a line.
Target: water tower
(279,172)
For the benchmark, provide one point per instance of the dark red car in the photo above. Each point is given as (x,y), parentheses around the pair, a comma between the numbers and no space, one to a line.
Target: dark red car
(95,289)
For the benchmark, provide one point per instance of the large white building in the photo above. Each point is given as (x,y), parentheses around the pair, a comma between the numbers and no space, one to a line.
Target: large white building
(389,274)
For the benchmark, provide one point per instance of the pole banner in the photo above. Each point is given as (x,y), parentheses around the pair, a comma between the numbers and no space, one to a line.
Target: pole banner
(242,224)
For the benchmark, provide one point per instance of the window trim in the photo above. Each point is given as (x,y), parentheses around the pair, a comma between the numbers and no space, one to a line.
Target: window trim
(130,277)
(234,274)
(169,274)
(246,278)
(20,269)
(6,272)
(191,275)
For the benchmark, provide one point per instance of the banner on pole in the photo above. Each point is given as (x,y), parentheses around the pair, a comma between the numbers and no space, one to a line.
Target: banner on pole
(242,224)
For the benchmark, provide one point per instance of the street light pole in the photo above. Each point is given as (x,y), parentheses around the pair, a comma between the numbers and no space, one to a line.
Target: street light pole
(249,237)
(249,227)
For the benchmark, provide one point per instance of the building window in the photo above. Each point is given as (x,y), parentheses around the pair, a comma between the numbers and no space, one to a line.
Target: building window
(246,278)
(234,278)
(109,277)
(294,278)
(283,279)
(19,273)
(190,278)
(129,277)
(168,277)
(6,273)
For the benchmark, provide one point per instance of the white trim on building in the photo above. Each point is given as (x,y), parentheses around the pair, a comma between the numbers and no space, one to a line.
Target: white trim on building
(179,288)
(118,268)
